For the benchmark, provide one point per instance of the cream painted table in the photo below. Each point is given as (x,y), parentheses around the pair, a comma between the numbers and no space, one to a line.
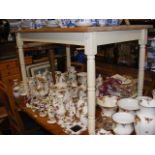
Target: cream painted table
(90,38)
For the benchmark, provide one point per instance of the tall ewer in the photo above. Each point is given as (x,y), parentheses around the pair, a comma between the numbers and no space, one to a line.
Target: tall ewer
(145,117)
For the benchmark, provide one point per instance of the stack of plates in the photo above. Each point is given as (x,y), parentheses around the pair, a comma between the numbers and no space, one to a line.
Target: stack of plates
(52,23)
(83,22)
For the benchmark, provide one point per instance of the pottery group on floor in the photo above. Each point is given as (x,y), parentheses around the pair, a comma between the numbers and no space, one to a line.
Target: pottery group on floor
(129,115)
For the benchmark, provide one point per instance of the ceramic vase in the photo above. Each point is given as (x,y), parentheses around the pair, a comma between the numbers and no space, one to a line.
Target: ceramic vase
(108,105)
(145,117)
(123,123)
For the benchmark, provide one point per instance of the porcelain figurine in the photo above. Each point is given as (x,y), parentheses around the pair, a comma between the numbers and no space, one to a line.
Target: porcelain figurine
(145,117)
(74,92)
(60,107)
(99,81)
(84,120)
(57,76)
(16,88)
(51,117)
(71,69)
(72,76)
(62,78)
(82,91)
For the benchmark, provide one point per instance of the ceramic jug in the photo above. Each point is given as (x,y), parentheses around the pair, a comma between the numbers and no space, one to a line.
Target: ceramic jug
(145,117)
(123,123)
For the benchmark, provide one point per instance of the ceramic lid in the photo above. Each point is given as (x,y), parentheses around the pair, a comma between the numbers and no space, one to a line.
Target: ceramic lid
(146,101)
(128,104)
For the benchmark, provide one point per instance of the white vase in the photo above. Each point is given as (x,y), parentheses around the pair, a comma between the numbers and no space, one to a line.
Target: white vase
(145,118)
(121,129)
(123,123)
(108,105)
(84,120)
(108,112)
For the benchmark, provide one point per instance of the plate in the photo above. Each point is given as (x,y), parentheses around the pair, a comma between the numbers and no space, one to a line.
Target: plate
(85,24)
(52,25)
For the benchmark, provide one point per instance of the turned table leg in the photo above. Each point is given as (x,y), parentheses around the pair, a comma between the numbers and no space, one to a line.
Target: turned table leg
(90,51)
(68,54)
(142,43)
(22,60)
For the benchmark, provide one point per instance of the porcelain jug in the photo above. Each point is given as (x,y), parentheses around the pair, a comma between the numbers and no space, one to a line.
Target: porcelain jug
(145,117)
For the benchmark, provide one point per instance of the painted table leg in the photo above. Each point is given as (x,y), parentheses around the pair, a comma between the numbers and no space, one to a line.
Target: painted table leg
(142,43)
(22,60)
(91,93)
(68,54)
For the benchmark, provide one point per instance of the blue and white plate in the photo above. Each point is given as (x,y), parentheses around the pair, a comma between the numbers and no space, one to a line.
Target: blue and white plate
(83,22)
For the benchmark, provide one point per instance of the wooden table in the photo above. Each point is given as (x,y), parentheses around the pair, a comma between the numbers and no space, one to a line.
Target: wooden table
(90,38)
(42,121)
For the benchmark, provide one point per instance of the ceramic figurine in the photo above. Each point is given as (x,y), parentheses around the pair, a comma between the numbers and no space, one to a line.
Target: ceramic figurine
(62,78)
(74,92)
(82,91)
(84,120)
(51,115)
(71,69)
(72,76)
(57,76)
(99,81)
(82,78)
(16,88)
(60,107)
